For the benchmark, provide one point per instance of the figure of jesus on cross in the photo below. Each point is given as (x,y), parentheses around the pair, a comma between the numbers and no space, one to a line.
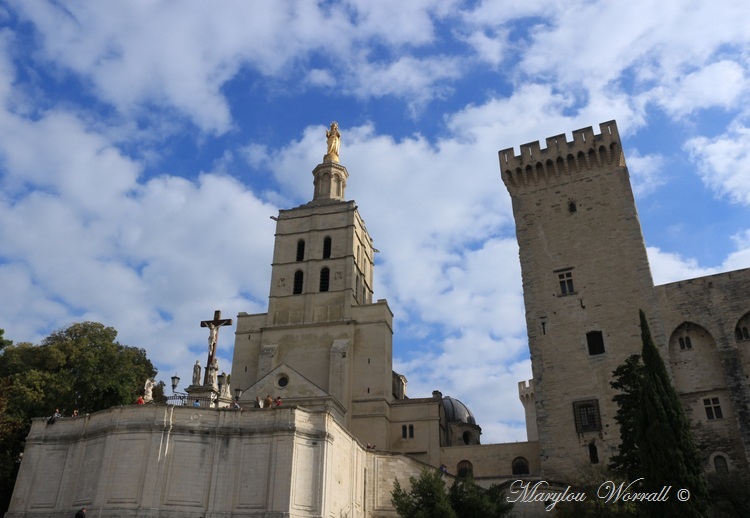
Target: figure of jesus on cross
(213,337)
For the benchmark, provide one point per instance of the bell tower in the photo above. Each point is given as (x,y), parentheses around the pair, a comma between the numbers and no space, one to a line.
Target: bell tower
(323,340)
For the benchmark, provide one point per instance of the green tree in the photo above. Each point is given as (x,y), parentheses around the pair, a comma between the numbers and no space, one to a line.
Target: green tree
(668,454)
(3,342)
(470,500)
(627,379)
(429,499)
(81,367)
(426,499)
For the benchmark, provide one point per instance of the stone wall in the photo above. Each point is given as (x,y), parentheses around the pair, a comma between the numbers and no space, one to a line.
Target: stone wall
(164,461)
(714,364)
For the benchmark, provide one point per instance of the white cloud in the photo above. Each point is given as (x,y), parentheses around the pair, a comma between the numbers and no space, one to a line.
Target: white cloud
(724,162)
(718,84)
(669,267)
(646,172)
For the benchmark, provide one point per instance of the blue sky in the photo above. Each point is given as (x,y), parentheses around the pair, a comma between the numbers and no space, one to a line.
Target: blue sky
(145,145)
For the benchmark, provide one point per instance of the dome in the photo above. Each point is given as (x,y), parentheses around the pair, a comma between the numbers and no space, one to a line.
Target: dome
(457,411)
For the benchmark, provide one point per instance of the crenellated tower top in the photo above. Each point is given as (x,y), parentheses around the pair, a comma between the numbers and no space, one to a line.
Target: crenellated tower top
(535,166)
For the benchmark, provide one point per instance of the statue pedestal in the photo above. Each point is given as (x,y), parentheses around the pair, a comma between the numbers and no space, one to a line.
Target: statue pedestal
(204,396)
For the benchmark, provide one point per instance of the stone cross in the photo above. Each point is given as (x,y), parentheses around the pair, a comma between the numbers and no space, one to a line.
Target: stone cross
(213,337)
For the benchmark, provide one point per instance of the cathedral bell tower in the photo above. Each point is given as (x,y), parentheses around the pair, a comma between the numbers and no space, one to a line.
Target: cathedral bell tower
(323,341)
(323,254)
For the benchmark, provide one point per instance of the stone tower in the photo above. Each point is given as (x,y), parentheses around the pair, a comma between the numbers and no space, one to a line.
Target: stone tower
(323,342)
(585,276)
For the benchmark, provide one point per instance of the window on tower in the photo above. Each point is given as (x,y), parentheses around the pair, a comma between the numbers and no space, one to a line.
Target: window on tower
(327,248)
(685,343)
(595,341)
(298,282)
(713,408)
(325,275)
(301,250)
(593,454)
(565,278)
(720,465)
(586,414)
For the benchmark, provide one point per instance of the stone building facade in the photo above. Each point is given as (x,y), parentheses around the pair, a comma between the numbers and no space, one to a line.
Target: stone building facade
(585,277)
(347,429)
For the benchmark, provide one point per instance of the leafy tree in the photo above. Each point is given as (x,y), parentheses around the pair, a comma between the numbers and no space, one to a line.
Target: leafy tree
(668,455)
(470,500)
(427,498)
(627,379)
(81,367)
(3,342)
(465,499)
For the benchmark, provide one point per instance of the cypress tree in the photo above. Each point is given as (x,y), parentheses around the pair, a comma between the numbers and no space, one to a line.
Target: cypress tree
(667,451)
(628,379)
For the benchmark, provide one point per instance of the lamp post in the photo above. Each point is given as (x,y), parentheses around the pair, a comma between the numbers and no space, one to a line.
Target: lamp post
(175,382)
(237,394)
(182,396)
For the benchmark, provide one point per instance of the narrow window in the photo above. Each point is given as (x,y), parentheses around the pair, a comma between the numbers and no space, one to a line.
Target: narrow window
(325,275)
(520,466)
(586,414)
(713,408)
(595,342)
(301,250)
(685,343)
(720,465)
(298,281)
(411,431)
(593,454)
(566,282)
(327,248)
(403,431)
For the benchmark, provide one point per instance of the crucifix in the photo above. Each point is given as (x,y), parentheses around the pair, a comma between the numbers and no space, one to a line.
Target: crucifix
(213,337)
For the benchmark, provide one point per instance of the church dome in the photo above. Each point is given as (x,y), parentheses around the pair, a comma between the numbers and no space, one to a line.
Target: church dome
(457,411)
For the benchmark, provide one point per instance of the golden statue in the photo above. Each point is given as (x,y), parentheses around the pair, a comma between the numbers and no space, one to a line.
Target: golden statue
(334,141)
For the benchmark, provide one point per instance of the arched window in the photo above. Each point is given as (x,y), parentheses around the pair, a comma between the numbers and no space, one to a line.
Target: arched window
(298,282)
(720,465)
(520,466)
(327,248)
(301,250)
(325,275)
(465,469)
